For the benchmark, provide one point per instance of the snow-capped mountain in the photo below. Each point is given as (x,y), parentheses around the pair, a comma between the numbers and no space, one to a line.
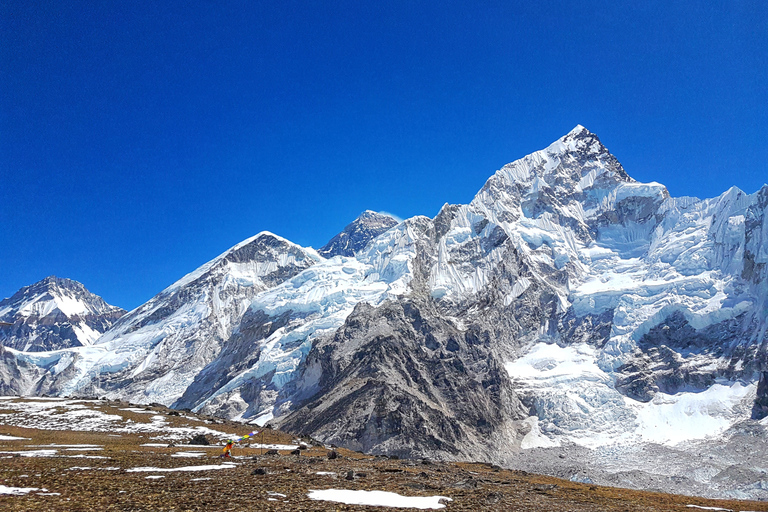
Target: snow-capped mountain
(569,320)
(54,313)
(155,351)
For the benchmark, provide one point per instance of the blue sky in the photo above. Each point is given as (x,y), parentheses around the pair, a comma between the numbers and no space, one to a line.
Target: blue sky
(140,139)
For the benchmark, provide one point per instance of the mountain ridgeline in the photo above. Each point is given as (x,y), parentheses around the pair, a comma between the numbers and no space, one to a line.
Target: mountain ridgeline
(567,309)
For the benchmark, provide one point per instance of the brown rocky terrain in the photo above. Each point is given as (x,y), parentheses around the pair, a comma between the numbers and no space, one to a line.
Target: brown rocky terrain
(99,455)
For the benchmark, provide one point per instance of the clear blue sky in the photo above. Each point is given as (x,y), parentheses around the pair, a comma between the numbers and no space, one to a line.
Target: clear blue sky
(140,139)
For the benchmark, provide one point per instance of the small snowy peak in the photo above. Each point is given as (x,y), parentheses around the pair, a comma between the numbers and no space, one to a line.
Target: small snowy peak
(259,246)
(55,313)
(357,234)
(54,295)
(578,129)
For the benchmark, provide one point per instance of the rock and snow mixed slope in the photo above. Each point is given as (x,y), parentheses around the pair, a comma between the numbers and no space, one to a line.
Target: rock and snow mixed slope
(566,306)
(357,234)
(54,313)
(155,351)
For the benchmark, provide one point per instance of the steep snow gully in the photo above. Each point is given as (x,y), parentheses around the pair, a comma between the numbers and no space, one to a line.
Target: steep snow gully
(568,320)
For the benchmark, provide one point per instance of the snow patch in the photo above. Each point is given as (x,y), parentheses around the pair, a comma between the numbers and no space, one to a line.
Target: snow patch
(211,467)
(18,491)
(378,499)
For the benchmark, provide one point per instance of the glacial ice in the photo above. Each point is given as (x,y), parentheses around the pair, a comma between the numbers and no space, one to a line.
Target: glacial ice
(574,400)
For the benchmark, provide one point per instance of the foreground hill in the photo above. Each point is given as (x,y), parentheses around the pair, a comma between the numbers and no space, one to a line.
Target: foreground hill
(70,455)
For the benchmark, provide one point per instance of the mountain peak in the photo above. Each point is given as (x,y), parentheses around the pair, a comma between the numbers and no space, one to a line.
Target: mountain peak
(55,313)
(367,226)
(578,129)
(48,285)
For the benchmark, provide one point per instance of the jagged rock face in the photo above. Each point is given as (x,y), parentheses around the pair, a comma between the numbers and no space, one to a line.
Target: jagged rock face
(760,409)
(357,234)
(400,380)
(674,356)
(15,375)
(54,313)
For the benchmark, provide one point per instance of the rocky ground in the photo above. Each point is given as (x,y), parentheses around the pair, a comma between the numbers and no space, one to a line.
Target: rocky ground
(74,455)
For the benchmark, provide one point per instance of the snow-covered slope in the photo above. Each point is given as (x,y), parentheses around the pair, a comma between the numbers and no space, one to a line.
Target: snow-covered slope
(154,352)
(566,309)
(54,313)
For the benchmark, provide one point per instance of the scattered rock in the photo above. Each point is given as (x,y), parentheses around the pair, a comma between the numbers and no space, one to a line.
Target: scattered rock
(469,483)
(493,498)
(200,440)
(543,488)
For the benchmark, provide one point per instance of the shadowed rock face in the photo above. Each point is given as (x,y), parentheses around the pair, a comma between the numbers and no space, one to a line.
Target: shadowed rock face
(55,313)
(400,380)
(676,357)
(357,234)
(760,409)
(15,375)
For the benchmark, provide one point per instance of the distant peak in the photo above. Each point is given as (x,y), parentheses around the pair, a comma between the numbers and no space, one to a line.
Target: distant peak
(370,214)
(52,281)
(367,226)
(581,140)
(580,133)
